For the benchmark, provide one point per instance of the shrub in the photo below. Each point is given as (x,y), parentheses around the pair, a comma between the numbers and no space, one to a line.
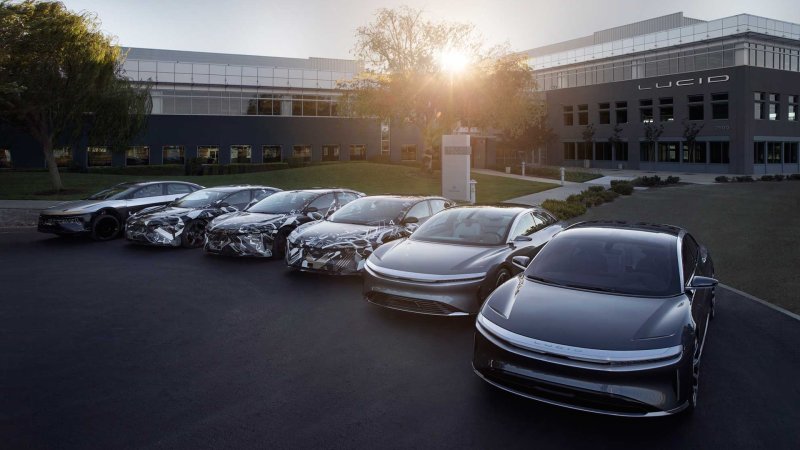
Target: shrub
(227,169)
(161,169)
(380,158)
(673,180)
(779,177)
(794,176)
(721,179)
(622,187)
(564,210)
(655,180)
(744,179)
(609,196)
(767,178)
(596,189)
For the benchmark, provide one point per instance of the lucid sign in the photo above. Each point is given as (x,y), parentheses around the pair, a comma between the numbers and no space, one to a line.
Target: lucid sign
(687,82)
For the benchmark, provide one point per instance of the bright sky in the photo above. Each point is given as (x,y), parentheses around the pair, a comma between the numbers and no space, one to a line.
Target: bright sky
(326,28)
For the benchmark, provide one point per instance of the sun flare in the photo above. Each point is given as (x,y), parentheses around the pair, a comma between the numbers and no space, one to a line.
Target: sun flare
(453,61)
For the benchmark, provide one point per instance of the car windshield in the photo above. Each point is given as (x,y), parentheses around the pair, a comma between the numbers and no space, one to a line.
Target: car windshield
(627,262)
(283,203)
(467,226)
(373,211)
(203,197)
(112,193)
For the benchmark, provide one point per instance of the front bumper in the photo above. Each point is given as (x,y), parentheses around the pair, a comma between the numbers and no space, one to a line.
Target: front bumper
(333,261)
(430,296)
(165,235)
(257,245)
(65,225)
(657,389)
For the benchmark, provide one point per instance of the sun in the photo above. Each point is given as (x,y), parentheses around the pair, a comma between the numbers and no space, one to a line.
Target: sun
(453,61)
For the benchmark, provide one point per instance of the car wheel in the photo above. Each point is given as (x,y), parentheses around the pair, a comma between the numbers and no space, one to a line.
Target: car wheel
(105,227)
(194,234)
(502,276)
(279,244)
(695,376)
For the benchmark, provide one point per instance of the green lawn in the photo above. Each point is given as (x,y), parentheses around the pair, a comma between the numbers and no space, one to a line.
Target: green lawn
(370,178)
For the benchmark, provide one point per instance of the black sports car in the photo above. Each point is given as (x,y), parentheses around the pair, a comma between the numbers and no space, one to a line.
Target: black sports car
(609,317)
(103,214)
(341,244)
(262,228)
(183,222)
(453,261)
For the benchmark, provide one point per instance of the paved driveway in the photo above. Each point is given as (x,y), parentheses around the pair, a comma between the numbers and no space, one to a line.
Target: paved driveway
(106,345)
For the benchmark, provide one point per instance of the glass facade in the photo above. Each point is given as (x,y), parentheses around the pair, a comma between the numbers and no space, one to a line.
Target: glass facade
(358,152)
(241,154)
(137,156)
(173,154)
(302,152)
(208,153)
(272,153)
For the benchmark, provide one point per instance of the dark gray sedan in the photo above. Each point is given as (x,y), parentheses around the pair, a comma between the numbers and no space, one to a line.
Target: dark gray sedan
(608,318)
(455,259)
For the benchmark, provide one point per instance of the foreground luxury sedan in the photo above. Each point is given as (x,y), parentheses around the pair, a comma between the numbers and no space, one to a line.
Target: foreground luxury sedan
(341,244)
(454,260)
(183,222)
(609,318)
(261,229)
(103,214)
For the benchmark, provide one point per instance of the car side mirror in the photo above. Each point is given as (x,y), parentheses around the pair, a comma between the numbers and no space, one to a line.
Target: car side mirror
(699,282)
(410,219)
(312,209)
(523,238)
(221,204)
(315,215)
(521,261)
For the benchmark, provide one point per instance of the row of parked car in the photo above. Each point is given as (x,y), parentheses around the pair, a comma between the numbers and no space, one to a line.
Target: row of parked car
(605,317)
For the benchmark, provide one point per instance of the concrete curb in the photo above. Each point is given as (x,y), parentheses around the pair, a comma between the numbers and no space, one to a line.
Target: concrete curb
(763,302)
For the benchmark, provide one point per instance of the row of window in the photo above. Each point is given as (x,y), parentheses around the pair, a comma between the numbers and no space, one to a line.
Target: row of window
(665,107)
(775,152)
(243,104)
(768,106)
(714,152)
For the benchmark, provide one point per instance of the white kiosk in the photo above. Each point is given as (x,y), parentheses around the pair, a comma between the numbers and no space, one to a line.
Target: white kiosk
(455,167)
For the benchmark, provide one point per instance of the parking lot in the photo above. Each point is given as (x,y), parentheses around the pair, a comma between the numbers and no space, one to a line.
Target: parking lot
(112,345)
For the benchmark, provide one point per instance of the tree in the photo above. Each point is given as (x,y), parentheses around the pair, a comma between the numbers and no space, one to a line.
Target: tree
(588,139)
(652,133)
(405,80)
(61,78)
(690,132)
(615,139)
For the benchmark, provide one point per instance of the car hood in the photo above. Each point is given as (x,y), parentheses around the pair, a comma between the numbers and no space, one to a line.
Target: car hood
(324,233)
(437,259)
(587,319)
(256,222)
(80,206)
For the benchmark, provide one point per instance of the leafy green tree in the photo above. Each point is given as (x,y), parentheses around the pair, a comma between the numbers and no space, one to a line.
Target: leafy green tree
(405,79)
(61,78)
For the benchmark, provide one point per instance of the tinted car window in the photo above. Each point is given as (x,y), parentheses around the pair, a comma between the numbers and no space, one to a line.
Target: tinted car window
(466,226)
(116,192)
(260,194)
(438,205)
(283,202)
(546,219)
(323,203)
(372,211)
(527,225)
(151,190)
(174,188)
(346,197)
(238,200)
(203,197)
(640,265)
(420,211)
(689,255)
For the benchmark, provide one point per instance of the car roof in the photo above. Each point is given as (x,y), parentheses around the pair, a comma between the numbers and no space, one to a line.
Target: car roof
(511,209)
(146,183)
(239,187)
(324,190)
(671,230)
(408,197)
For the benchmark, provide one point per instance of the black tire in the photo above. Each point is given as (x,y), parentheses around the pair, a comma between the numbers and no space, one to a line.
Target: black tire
(194,234)
(105,227)
(279,244)
(501,277)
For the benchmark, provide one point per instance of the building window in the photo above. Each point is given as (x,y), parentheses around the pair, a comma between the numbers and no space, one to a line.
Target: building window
(137,156)
(759,112)
(569,151)
(646,152)
(208,154)
(621,151)
(622,112)
(330,152)
(602,151)
(241,154)
(719,106)
(584,150)
(792,108)
(759,153)
(63,156)
(98,157)
(5,158)
(385,138)
(718,152)
(694,153)
(668,151)
(790,152)
(272,153)
(568,116)
(408,152)
(604,113)
(774,106)
(665,111)
(302,152)
(268,105)
(583,114)
(173,154)
(696,111)
(774,153)
(646,110)
(358,152)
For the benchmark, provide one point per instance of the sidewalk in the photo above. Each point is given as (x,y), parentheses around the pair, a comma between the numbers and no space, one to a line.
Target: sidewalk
(15,214)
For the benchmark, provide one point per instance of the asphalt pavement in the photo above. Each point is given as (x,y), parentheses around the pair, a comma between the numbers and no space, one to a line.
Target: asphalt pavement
(110,345)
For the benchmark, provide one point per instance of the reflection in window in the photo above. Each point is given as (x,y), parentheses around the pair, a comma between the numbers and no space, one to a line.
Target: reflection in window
(408,152)
(63,156)
(568,116)
(330,152)
(604,113)
(621,151)
(668,151)
(792,108)
(569,151)
(774,153)
(358,152)
(759,153)
(208,154)
(241,154)
(583,114)
(622,112)
(272,153)
(694,152)
(173,154)
(302,152)
(696,111)
(5,158)
(665,110)
(98,157)
(137,156)
(602,151)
